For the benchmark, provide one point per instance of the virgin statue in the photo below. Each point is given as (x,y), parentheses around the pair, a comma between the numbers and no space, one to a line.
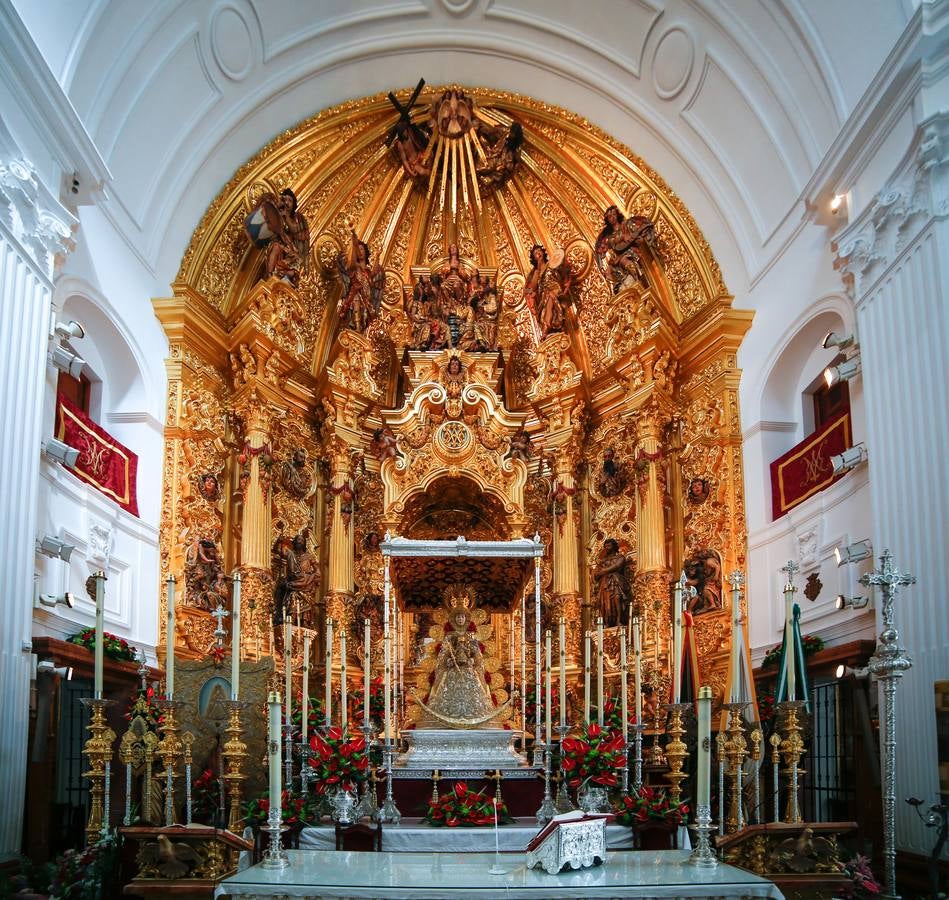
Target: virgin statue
(460,695)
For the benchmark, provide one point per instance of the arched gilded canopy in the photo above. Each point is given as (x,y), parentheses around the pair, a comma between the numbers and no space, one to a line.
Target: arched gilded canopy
(343,173)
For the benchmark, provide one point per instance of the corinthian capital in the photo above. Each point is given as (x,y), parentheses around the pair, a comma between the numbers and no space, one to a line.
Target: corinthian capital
(45,235)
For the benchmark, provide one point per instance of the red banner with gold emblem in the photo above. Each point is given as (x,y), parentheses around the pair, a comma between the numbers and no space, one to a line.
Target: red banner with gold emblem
(103,462)
(806,469)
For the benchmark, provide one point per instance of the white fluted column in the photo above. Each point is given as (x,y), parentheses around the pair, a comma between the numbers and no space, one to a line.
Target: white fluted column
(30,239)
(897,254)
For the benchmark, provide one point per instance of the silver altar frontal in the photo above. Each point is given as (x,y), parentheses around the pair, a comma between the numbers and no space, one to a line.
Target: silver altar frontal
(409,876)
(453,751)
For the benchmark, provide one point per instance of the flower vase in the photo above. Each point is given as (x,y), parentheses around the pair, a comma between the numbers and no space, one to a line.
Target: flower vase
(343,804)
(592,798)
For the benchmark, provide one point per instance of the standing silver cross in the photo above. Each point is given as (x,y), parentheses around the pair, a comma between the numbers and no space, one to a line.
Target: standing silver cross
(220,614)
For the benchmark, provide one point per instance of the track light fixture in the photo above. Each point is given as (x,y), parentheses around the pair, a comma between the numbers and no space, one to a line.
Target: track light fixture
(852,553)
(844,671)
(843,602)
(843,371)
(48,667)
(849,459)
(832,339)
(54,548)
(52,601)
(70,329)
(61,452)
(66,361)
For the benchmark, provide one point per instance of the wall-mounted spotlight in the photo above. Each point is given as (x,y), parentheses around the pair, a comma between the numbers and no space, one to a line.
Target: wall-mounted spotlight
(860,672)
(52,601)
(852,553)
(843,371)
(837,203)
(832,339)
(54,548)
(60,452)
(48,667)
(849,459)
(70,329)
(843,602)
(66,361)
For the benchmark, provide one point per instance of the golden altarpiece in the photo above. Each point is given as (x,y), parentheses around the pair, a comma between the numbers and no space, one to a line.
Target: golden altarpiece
(449,333)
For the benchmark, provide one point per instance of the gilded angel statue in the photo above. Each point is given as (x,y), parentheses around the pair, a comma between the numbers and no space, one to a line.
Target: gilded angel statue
(362,287)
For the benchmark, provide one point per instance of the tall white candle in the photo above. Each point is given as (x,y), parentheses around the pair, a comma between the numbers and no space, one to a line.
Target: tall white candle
(273,748)
(737,638)
(288,668)
(328,681)
(170,640)
(537,685)
(789,641)
(637,670)
(100,639)
(386,657)
(236,637)
(343,711)
(586,678)
(523,668)
(704,747)
(547,686)
(366,671)
(624,699)
(513,628)
(599,670)
(305,692)
(563,671)
(677,640)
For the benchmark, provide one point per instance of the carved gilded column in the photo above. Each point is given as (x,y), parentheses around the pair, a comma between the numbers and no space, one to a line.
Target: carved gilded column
(566,599)
(255,461)
(339,581)
(652,570)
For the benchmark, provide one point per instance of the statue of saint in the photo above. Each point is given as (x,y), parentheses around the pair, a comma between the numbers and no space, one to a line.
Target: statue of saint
(503,154)
(611,479)
(619,248)
(206,584)
(362,287)
(703,571)
(297,578)
(278,225)
(547,290)
(460,696)
(613,588)
(296,477)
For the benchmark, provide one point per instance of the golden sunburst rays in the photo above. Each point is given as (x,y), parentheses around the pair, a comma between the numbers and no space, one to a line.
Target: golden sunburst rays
(454,171)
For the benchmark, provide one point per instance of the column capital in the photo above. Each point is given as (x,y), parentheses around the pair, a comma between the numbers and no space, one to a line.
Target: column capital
(44,233)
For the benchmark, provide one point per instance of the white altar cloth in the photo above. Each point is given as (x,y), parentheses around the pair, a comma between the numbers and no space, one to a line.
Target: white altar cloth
(414,835)
(366,876)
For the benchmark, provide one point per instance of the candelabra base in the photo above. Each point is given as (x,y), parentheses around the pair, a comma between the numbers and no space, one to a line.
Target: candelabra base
(703,855)
(275,857)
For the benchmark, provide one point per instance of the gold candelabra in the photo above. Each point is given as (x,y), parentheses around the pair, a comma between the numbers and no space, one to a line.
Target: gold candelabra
(98,750)
(234,753)
(736,749)
(655,758)
(170,749)
(792,749)
(676,750)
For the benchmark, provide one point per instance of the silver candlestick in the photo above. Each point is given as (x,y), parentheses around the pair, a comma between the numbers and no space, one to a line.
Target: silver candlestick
(389,813)
(288,755)
(275,857)
(547,809)
(638,755)
(368,806)
(306,770)
(703,855)
(888,663)
(563,803)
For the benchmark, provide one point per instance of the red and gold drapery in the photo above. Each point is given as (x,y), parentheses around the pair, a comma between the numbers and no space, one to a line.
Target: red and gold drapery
(806,469)
(103,462)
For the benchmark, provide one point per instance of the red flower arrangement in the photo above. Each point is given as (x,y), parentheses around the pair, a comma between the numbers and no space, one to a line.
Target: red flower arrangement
(218,652)
(316,717)
(766,705)
(530,705)
(114,647)
(810,643)
(145,704)
(595,757)
(338,760)
(613,715)
(462,806)
(205,797)
(295,809)
(376,701)
(649,805)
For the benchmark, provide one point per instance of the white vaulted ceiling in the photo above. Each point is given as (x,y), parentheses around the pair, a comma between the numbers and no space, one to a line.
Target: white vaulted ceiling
(734,103)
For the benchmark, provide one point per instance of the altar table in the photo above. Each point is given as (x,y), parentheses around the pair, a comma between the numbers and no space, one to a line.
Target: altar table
(366,876)
(416,835)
